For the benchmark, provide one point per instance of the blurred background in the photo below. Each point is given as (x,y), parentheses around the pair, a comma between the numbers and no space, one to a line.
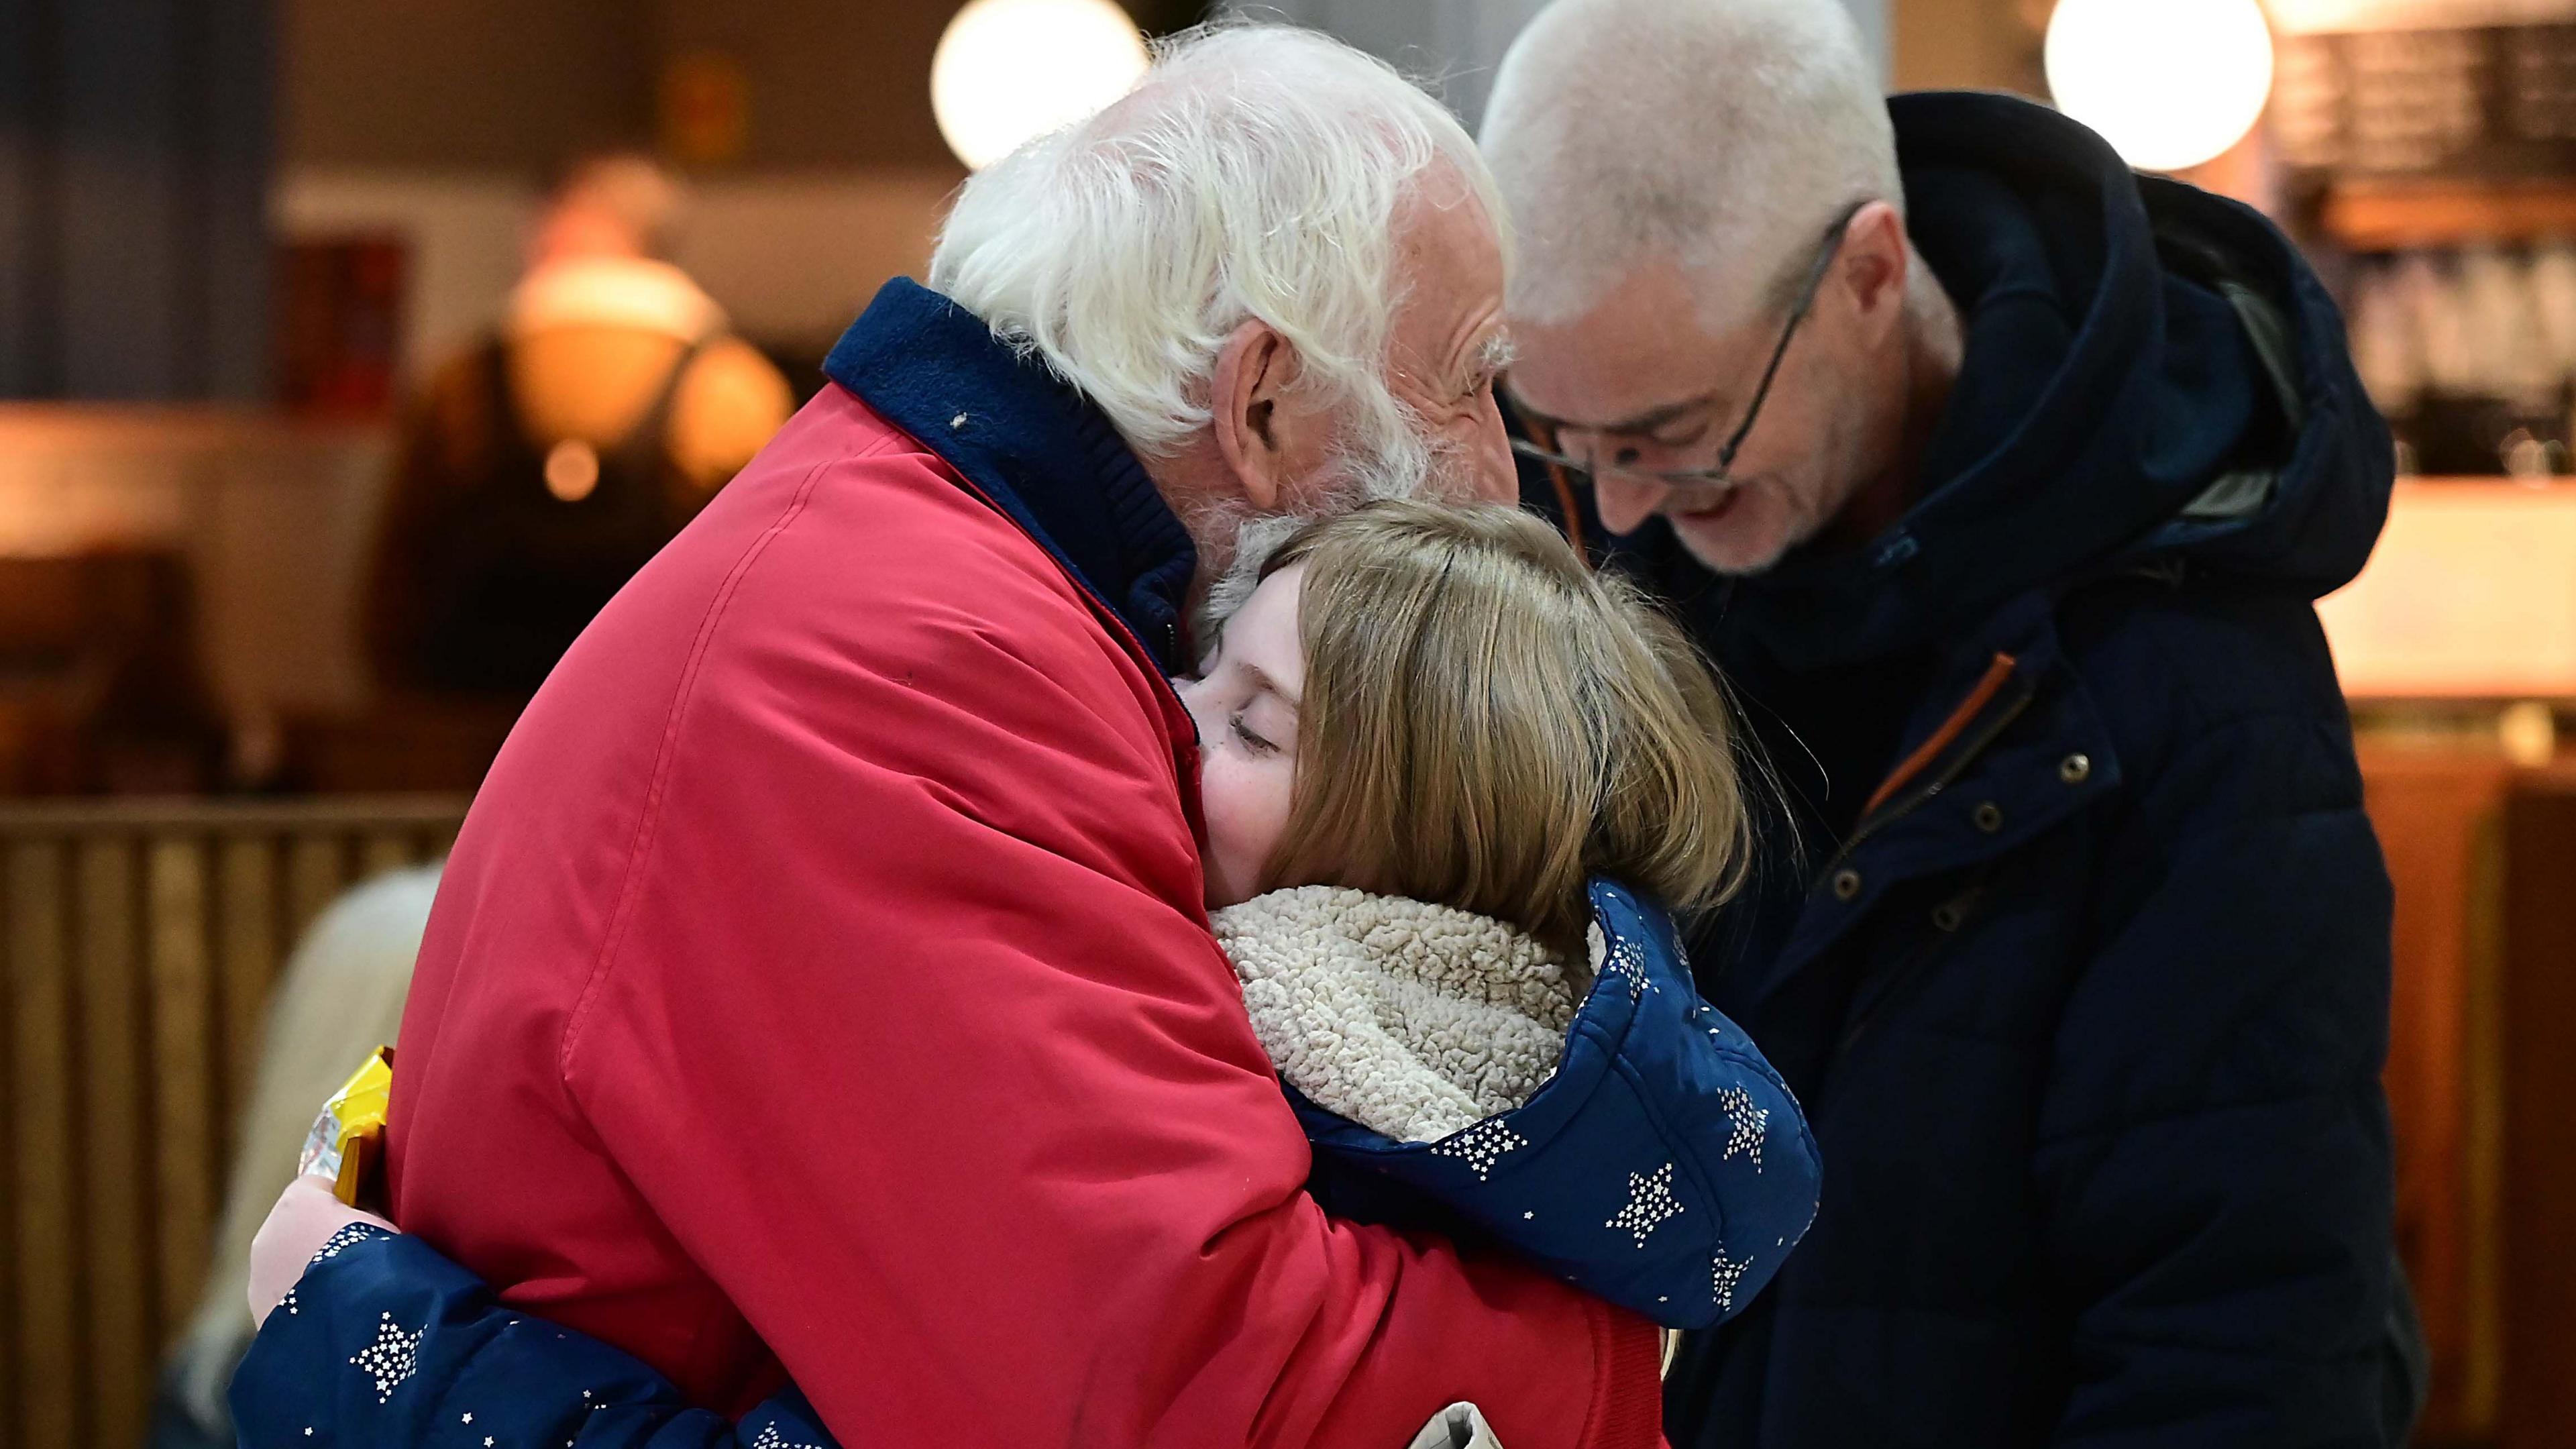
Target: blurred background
(351,354)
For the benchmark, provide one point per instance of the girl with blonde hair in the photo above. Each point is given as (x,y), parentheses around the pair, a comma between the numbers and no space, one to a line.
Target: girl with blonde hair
(1451,783)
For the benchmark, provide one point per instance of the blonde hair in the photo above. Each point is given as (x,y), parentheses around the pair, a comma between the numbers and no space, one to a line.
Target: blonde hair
(339,998)
(1486,724)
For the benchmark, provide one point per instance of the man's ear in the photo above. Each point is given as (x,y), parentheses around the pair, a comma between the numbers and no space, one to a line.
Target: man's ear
(1873,265)
(1255,367)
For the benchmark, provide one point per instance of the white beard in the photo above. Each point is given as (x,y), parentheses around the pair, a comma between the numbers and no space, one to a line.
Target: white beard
(1407,464)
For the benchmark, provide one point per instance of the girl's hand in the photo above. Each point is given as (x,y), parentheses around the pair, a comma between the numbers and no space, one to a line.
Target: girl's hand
(304,1219)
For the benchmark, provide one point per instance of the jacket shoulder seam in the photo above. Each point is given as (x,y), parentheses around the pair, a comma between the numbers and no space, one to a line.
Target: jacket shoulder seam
(648,819)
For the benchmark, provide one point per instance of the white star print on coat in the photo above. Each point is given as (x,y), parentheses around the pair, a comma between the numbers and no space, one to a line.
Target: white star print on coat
(1482,1145)
(1746,1125)
(341,1241)
(1626,961)
(1650,1202)
(391,1358)
(1727,1273)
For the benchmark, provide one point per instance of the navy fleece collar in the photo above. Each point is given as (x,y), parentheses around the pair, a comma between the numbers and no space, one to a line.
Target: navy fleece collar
(1035,447)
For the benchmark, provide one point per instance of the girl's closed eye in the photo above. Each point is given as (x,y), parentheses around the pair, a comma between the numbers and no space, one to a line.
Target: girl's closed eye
(1243,732)
(1245,706)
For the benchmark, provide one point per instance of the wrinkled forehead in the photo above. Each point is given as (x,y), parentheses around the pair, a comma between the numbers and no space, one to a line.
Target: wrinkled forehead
(1444,221)
(1448,276)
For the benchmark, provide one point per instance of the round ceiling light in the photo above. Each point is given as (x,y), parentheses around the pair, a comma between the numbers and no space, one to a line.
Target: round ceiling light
(2170,84)
(1009,71)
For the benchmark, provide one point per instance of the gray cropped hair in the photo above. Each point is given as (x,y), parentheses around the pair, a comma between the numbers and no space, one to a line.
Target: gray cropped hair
(1726,134)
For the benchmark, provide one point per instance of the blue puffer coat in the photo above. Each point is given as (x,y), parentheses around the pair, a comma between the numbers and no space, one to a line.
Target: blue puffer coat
(2074,937)
(1663,1167)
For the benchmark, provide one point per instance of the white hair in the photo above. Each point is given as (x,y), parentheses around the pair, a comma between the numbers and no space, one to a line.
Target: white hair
(339,998)
(1255,172)
(1726,134)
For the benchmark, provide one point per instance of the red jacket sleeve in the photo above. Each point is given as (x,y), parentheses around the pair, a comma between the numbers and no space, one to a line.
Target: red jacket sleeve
(910,1030)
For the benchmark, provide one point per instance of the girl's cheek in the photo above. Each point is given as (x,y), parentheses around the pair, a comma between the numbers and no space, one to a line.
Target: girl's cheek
(1230,867)
(1265,815)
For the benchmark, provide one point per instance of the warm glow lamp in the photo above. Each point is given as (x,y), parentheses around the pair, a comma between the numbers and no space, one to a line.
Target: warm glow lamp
(1009,71)
(2169,83)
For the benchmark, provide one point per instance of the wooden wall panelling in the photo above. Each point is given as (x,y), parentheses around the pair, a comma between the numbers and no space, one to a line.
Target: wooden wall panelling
(185,1127)
(10,1356)
(47,1327)
(386,850)
(2438,814)
(114,1126)
(249,955)
(316,870)
(137,945)
(2539,1410)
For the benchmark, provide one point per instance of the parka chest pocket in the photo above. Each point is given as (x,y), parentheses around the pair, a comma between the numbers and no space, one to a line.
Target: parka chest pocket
(1916,930)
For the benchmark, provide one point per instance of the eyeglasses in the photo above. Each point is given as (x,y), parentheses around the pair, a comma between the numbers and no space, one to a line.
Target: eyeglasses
(1722,475)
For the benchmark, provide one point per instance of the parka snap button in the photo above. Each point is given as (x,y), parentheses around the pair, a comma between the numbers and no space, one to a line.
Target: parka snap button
(1846,884)
(1989,817)
(2075,769)
(1947,916)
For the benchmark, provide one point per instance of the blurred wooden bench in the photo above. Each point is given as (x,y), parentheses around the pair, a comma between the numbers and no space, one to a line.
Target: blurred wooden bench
(137,943)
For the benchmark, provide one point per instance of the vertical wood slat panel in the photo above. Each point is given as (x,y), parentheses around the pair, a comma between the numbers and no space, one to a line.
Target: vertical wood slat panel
(183,1067)
(112,1134)
(385,850)
(47,1330)
(212,895)
(248,892)
(316,870)
(10,1357)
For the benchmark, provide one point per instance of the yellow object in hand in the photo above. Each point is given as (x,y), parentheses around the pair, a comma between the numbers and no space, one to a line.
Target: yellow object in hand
(347,1140)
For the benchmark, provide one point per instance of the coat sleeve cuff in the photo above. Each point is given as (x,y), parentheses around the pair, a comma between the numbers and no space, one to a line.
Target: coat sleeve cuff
(1628,1394)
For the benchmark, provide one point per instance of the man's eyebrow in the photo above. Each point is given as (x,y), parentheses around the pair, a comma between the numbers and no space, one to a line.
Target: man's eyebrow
(1498,354)
(1262,681)
(1644,422)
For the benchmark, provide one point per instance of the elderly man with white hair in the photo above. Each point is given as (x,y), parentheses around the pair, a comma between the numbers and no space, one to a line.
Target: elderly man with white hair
(1999,481)
(822,985)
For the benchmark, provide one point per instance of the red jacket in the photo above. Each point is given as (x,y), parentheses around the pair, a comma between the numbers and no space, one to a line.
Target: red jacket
(822,982)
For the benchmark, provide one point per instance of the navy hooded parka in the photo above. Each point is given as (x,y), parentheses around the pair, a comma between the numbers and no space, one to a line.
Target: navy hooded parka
(2072,936)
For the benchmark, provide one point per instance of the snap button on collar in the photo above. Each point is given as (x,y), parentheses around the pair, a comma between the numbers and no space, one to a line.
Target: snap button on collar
(2075,769)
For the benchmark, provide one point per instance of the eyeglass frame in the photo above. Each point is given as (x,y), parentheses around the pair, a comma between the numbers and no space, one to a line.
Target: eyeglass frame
(1721,475)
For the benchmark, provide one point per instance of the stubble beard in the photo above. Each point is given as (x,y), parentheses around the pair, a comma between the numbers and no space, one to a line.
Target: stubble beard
(1812,504)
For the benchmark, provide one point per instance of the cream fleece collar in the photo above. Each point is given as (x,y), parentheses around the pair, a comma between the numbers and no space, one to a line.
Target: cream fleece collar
(1413,1020)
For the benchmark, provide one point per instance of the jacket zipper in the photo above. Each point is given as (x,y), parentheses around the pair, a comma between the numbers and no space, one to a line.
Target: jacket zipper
(1887,992)
(1958,765)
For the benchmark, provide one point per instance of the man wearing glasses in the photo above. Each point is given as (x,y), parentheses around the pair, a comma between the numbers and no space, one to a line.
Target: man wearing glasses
(1999,483)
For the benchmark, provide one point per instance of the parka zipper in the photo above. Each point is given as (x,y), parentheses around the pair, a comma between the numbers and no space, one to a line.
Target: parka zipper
(1960,756)
(1960,760)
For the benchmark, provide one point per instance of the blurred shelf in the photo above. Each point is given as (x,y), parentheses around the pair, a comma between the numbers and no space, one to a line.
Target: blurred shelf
(2471,595)
(2387,216)
(177,427)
